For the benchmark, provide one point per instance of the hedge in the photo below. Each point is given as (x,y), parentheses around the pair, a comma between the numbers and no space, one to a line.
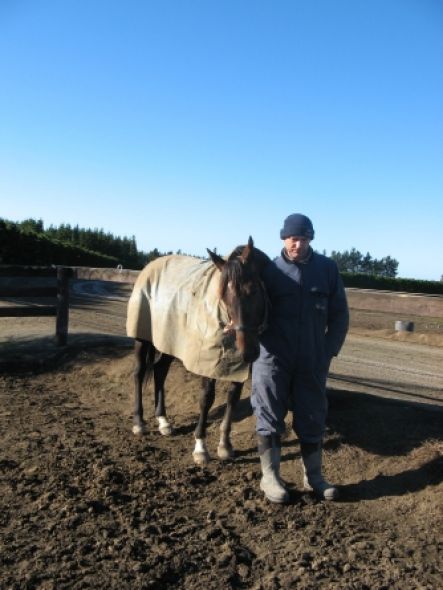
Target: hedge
(36,249)
(364,281)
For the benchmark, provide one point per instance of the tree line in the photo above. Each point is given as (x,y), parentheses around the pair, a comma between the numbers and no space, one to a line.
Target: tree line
(353,261)
(29,243)
(124,251)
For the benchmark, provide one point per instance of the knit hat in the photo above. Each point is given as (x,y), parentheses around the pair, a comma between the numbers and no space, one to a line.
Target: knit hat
(297,225)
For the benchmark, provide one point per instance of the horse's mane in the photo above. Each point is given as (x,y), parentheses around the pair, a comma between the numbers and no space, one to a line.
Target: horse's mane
(258,259)
(234,271)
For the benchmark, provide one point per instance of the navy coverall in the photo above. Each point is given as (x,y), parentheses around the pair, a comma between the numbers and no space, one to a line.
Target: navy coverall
(308,323)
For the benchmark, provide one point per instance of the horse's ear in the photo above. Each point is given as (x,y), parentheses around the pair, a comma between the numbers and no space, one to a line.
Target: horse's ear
(247,250)
(216,259)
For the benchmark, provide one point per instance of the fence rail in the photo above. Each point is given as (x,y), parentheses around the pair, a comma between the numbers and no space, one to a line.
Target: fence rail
(20,311)
(60,292)
(28,291)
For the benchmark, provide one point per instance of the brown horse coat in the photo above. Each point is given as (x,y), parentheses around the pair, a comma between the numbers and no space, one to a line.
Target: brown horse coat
(175,305)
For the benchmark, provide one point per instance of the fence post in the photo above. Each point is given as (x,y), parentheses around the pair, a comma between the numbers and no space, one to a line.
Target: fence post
(62,320)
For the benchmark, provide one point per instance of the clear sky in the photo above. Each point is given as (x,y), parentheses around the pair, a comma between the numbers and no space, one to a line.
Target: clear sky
(196,123)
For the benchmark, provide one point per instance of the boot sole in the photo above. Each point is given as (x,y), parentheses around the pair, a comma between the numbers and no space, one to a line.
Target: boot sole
(274,499)
(335,495)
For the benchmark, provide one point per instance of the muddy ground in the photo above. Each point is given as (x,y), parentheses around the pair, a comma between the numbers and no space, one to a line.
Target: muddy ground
(85,504)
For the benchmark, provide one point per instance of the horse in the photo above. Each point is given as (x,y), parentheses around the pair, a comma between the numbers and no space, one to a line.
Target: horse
(209,315)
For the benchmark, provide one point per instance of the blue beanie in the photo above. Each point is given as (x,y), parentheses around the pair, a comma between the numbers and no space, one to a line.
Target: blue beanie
(297,225)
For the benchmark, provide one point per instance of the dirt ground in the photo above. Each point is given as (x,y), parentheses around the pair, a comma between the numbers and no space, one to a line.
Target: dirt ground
(86,504)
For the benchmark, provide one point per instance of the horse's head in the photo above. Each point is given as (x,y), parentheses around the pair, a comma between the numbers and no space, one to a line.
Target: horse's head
(244,295)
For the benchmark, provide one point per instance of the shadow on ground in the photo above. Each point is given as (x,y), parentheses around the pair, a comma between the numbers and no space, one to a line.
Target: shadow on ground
(38,355)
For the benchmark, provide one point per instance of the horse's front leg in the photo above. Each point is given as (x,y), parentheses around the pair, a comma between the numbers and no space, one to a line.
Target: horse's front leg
(161,369)
(225,450)
(207,397)
(142,350)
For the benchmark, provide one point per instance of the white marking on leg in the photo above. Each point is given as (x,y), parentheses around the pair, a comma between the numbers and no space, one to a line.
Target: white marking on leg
(200,453)
(164,427)
(139,430)
(200,446)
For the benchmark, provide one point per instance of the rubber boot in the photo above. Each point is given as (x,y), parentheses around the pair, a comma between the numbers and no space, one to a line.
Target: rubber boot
(313,480)
(270,482)
(276,456)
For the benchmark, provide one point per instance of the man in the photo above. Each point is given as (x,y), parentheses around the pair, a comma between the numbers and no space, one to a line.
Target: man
(307,326)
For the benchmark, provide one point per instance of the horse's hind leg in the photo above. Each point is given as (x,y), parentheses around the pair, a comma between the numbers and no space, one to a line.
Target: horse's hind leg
(161,369)
(207,397)
(143,357)
(225,450)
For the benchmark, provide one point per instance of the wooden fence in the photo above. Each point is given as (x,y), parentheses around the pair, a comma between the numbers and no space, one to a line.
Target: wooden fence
(406,303)
(60,292)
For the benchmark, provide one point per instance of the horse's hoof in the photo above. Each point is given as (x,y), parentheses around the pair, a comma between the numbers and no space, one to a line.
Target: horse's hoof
(225,453)
(165,430)
(164,426)
(139,430)
(201,459)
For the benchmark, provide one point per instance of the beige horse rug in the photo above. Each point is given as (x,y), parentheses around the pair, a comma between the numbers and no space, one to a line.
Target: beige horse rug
(175,305)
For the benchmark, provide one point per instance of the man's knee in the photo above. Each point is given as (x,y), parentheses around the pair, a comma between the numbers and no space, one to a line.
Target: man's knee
(309,428)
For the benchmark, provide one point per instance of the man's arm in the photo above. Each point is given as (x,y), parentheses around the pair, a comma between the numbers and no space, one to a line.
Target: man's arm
(338,316)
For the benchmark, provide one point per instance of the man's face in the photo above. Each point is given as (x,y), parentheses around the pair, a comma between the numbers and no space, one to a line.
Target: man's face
(297,247)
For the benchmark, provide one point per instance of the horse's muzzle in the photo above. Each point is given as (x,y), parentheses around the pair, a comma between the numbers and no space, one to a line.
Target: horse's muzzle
(246,342)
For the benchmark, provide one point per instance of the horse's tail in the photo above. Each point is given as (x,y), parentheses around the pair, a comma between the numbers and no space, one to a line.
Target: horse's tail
(152,357)
(150,361)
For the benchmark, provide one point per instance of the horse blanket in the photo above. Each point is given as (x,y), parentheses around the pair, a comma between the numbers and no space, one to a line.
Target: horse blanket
(175,305)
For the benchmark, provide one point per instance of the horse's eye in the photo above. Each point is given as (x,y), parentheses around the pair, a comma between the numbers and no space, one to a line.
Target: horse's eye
(250,290)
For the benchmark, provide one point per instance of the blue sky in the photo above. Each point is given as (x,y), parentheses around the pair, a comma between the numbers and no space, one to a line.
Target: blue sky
(196,123)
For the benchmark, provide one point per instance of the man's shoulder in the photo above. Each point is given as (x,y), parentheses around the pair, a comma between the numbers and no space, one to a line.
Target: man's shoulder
(279,262)
(324,260)
(273,266)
